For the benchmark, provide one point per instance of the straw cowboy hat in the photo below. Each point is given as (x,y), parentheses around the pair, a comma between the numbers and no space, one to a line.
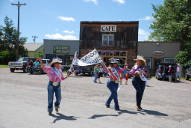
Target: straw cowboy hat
(114,61)
(140,58)
(56,60)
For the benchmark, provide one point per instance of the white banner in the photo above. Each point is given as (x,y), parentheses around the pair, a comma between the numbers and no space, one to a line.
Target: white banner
(75,59)
(90,59)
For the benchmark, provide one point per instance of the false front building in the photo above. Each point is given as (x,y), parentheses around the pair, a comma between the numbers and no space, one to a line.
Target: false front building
(111,39)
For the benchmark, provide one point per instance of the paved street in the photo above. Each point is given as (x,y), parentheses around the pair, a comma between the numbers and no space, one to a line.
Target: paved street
(23,104)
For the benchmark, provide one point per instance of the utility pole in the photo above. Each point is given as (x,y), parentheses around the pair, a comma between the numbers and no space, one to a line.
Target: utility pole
(34,38)
(18,4)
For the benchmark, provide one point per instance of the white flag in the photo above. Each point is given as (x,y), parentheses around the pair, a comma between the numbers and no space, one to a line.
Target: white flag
(75,59)
(90,59)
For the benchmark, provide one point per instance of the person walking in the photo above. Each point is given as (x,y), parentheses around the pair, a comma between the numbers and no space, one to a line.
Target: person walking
(55,75)
(178,72)
(113,83)
(139,79)
(97,74)
(125,73)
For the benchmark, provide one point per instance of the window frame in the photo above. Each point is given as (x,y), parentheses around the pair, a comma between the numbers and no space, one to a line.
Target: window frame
(108,38)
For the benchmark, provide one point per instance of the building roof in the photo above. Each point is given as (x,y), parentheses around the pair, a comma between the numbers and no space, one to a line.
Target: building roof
(60,40)
(109,22)
(32,46)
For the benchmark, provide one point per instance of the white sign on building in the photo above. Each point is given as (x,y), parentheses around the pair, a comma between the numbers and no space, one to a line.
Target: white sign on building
(108,28)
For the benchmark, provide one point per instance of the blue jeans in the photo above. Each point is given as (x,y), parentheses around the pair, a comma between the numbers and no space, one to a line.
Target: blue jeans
(139,86)
(113,87)
(96,76)
(51,91)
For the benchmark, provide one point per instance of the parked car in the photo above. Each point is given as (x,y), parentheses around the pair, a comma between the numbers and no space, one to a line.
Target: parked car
(188,73)
(166,71)
(37,69)
(84,70)
(20,64)
(65,68)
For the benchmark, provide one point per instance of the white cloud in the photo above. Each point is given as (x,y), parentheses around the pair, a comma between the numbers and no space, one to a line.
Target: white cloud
(68,32)
(147,18)
(61,37)
(143,35)
(93,1)
(63,18)
(120,1)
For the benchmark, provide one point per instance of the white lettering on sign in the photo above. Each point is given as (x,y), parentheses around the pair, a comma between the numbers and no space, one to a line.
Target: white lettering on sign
(108,28)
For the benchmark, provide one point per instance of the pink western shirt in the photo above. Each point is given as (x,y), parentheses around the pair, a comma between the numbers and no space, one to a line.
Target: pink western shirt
(54,74)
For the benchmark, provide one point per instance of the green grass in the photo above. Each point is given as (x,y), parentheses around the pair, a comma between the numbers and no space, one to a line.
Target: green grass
(3,66)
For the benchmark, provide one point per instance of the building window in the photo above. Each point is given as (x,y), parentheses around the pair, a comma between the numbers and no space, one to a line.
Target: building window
(60,49)
(107,39)
(169,60)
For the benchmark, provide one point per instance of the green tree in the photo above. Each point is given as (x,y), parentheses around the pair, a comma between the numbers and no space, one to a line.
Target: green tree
(183,57)
(172,22)
(10,42)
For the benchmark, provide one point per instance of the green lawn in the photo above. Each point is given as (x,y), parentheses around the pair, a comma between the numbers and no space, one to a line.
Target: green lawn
(3,66)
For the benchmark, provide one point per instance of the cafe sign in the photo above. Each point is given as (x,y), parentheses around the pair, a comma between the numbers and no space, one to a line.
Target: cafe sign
(108,28)
(158,53)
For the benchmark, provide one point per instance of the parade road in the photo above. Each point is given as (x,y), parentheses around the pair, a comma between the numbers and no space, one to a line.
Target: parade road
(23,104)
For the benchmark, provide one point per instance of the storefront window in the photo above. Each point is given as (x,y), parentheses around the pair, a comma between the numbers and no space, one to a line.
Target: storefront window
(60,49)
(169,60)
(107,39)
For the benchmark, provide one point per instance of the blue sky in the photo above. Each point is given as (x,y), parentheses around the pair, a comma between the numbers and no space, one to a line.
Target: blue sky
(60,19)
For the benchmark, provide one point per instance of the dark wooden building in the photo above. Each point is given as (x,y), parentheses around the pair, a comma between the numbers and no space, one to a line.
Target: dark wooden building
(111,39)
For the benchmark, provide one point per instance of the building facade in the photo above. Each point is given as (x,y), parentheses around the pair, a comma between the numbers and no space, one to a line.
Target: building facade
(64,49)
(158,52)
(111,39)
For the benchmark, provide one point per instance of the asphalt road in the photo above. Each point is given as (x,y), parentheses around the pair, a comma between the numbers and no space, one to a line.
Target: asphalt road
(23,104)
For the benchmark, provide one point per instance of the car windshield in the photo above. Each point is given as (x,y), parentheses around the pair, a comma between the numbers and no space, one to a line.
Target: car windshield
(22,59)
(45,61)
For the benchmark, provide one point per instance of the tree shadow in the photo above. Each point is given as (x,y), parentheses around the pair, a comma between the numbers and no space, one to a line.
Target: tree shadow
(60,116)
(101,115)
(152,112)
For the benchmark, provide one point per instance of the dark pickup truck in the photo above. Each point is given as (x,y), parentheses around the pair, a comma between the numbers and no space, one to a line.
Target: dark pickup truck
(84,70)
(20,64)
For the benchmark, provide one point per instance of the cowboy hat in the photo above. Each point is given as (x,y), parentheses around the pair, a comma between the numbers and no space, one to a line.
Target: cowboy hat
(140,58)
(114,61)
(56,60)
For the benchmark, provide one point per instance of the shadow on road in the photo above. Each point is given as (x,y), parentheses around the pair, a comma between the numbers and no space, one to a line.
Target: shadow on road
(143,112)
(127,112)
(152,112)
(60,116)
(100,115)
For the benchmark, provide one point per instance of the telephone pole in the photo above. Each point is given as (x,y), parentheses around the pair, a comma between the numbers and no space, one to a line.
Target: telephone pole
(34,38)
(18,4)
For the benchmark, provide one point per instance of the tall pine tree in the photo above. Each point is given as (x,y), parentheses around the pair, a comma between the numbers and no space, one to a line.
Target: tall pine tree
(11,46)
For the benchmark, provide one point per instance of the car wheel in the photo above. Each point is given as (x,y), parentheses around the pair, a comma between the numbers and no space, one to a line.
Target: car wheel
(41,72)
(12,69)
(25,70)
(31,71)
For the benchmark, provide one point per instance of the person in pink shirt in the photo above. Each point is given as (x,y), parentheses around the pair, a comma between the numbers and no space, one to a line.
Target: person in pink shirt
(55,75)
